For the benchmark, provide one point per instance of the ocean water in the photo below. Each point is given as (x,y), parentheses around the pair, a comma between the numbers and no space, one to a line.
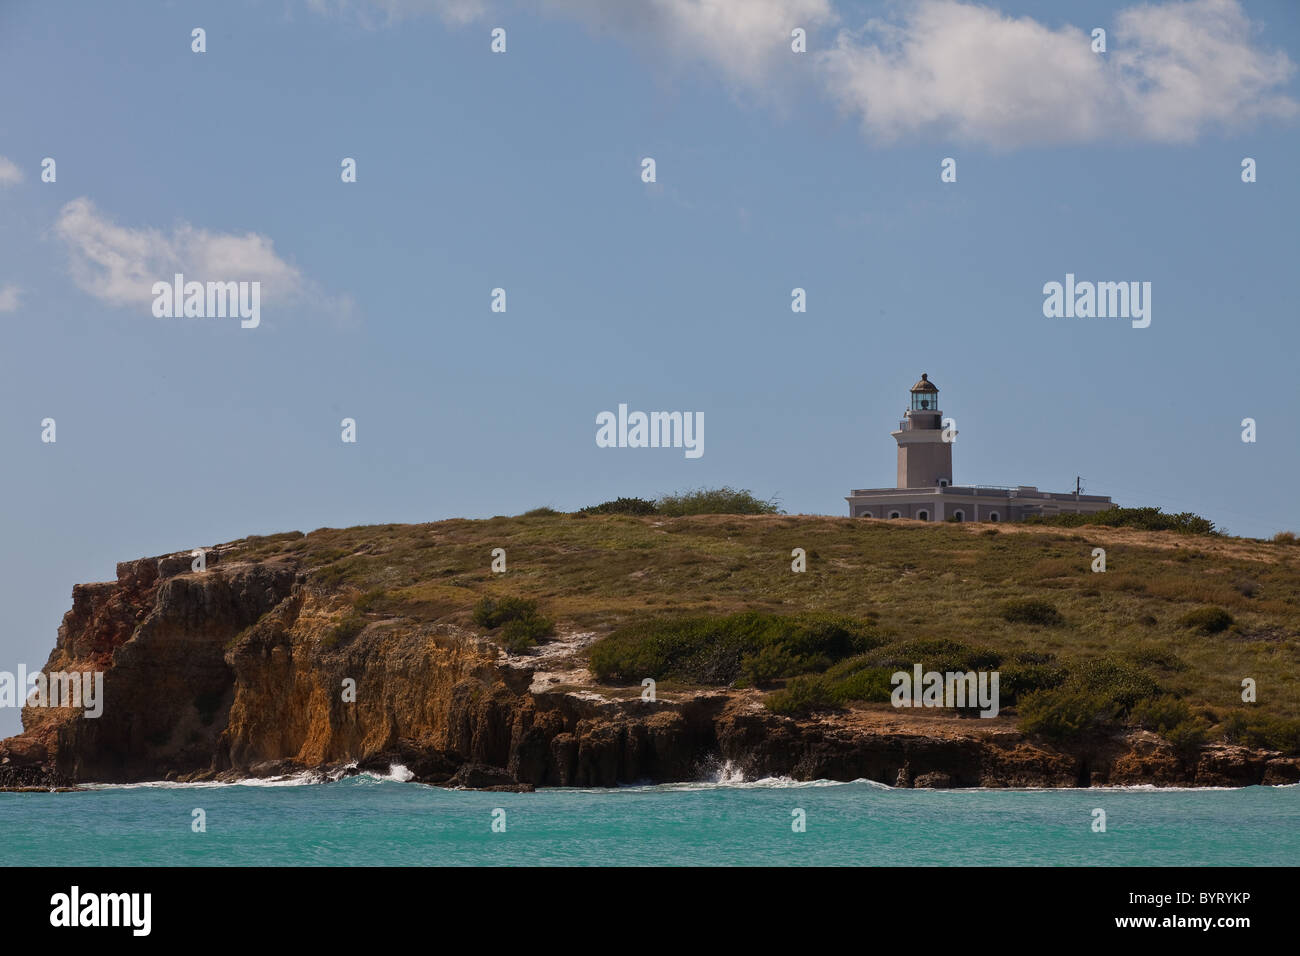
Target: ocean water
(364,820)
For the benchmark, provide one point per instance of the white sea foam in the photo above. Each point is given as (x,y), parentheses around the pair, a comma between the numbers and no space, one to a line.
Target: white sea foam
(302,778)
(722,775)
(397,773)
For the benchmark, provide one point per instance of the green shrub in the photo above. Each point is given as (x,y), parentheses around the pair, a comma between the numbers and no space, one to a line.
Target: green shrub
(522,626)
(1068,714)
(1154,657)
(1286,537)
(543,512)
(868,676)
(755,646)
(622,506)
(1029,611)
(715,501)
(1144,519)
(933,655)
(770,663)
(801,696)
(1173,719)
(1188,737)
(1262,731)
(492,613)
(1028,672)
(858,679)
(1091,701)
(1160,714)
(1119,681)
(522,633)
(1207,620)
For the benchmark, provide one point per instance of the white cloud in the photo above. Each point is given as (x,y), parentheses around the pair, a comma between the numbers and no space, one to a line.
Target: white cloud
(9,297)
(1187,66)
(119,265)
(391,11)
(10,174)
(740,37)
(968,72)
(954,69)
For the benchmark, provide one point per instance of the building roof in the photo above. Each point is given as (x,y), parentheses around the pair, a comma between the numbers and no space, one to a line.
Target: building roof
(925,385)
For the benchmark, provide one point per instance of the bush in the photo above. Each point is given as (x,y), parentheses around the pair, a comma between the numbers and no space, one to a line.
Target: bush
(491,613)
(1121,682)
(1286,537)
(771,663)
(1161,714)
(933,655)
(622,506)
(1187,737)
(1262,731)
(1028,672)
(1030,611)
(754,646)
(852,680)
(868,676)
(1173,719)
(1091,701)
(521,624)
(1144,519)
(715,501)
(524,632)
(543,512)
(1207,620)
(1153,657)
(801,696)
(1068,714)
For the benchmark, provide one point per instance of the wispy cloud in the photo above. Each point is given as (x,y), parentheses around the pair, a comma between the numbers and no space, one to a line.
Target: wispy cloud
(10,295)
(10,174)
(741,38)
(119,265)
(958,70)
(376,13)
(969,73)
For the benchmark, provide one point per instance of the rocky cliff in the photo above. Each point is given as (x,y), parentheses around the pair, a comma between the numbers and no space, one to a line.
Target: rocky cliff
(253,667)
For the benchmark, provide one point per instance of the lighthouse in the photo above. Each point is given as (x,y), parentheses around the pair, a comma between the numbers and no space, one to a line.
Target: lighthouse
(924,490)
(924,447)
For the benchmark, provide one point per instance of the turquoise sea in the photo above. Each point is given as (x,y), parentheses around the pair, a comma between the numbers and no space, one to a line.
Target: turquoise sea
(364,820)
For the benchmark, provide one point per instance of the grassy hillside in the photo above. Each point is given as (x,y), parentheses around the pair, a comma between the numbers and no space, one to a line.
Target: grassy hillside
(900,581)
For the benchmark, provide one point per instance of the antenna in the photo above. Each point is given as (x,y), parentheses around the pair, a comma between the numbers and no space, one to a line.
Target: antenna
(1078,484)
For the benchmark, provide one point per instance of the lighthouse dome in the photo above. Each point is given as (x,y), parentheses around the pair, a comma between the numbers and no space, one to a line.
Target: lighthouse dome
(925,395)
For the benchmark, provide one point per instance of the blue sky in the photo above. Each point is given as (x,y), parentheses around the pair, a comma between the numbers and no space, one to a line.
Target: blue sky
(522,171)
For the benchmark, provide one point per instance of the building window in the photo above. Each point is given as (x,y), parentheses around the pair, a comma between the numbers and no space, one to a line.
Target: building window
(923,516)
(895,514)
(993,516)
(959,515)
(865,514)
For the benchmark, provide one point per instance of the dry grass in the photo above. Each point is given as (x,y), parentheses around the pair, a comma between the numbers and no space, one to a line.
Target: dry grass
(920,580)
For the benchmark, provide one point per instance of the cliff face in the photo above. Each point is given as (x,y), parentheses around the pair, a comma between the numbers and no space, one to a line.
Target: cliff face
(247,668)
(160,638)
